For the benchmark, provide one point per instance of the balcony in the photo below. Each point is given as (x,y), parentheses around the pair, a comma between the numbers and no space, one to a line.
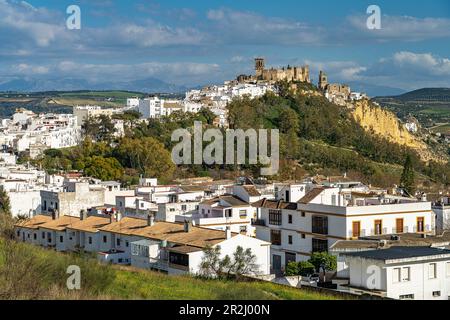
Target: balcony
(258,222)
(372,232)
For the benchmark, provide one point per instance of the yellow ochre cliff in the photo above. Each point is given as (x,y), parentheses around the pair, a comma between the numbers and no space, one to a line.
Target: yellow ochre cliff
(386,124)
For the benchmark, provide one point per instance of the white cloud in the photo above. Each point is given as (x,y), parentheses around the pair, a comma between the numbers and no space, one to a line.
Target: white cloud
(176,72)
(398,28)
(29,70)
(242,27)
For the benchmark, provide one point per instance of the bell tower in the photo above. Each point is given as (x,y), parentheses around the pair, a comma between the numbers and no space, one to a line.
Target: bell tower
(323,80)
(259,67)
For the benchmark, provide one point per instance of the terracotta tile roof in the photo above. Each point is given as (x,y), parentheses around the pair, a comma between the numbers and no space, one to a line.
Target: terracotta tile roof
(274,204)
(172,232)
(34,222)
(126,226)
(311,195)
(184,249)
(252,191)
(60,224)
(90,224)
(231,199)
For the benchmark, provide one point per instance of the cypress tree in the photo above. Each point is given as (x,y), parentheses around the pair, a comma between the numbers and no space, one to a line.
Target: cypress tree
(408,176)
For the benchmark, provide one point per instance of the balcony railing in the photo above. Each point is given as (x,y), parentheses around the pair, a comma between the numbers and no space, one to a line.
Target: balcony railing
(258,222)
(371,232)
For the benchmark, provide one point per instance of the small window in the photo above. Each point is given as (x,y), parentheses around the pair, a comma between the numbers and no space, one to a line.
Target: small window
(18,233)
(303,236)
(61,239)
(432,271)
(183,207)
(118,242)
(35,236)
(104,239)
(243,229)
(436,294)
(290,239)
(396,275)
(275,237)
(127,244)
(43,235)
(406,274)
(303,213)
(290,219)
(90,240)
(406,297)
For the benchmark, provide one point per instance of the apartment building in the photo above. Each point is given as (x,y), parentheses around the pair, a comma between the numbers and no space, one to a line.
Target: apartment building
(176,248)
(326,215)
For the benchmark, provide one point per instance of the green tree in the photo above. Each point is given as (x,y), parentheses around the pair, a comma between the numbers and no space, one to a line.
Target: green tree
(99,128)
(407,180)
(103,168)
(5,205)
(147,155)
(323,259)
(292,269)
(302,268)
(305,268)
(213,266)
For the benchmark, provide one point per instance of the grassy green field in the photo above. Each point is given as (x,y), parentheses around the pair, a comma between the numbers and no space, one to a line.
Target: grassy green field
(442,129)
(29,272)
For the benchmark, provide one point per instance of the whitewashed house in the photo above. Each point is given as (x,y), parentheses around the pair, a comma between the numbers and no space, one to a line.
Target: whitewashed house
(225,211)
(405,273)
(441,209)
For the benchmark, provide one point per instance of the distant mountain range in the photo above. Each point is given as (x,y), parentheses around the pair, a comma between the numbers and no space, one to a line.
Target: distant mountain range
(428,105)
(149,85)
(425,95)
(375,90)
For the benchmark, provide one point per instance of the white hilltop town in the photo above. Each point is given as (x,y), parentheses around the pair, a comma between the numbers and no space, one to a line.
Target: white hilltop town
(397,240)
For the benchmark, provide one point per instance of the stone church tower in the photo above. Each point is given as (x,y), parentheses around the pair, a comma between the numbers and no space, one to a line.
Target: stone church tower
(259,67)
(323,80)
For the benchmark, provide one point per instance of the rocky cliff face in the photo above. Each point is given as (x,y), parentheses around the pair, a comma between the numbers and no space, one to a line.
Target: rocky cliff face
(386,124)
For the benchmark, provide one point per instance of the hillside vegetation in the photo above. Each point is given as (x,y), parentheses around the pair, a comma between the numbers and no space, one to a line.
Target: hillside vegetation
(317,137)
(29,272)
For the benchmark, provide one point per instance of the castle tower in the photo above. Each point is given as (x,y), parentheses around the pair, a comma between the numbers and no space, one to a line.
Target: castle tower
(259,67)
(323,80)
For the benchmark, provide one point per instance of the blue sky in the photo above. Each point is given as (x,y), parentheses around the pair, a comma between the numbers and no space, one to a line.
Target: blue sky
(198,42)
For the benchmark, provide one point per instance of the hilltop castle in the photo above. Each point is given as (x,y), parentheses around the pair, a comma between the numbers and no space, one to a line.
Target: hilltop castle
(272,75)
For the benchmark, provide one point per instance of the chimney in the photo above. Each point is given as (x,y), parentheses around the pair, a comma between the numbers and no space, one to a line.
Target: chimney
(187,226)
(111,218)
(150,220)
(53,215)
(83,215)
(118,216)
(228,232)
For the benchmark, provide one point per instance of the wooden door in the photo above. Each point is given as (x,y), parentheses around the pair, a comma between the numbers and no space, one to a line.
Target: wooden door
(399,226)
(356,229)
(420,224)
(378,227)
